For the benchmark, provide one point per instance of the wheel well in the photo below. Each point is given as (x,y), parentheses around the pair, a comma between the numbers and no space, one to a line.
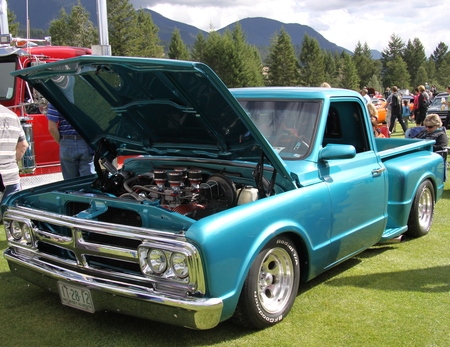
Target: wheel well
(302,253)
(433,183)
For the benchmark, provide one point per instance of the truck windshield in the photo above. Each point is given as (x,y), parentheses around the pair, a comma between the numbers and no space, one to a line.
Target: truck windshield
(288,125)
(7,85)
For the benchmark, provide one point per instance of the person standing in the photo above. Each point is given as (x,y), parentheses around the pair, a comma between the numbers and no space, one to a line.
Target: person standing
(416,104)
(406,112)
(422,109)
(76,157)
(13,145)
(364,93)
(447,119)
(395,104)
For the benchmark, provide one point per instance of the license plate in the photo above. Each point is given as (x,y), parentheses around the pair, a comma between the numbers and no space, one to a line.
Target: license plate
(76,297)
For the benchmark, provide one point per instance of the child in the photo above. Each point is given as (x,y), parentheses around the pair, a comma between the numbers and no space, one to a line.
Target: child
(406,114)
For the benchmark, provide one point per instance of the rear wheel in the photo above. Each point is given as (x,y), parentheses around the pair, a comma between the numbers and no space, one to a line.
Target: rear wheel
(270,287)
(422,210)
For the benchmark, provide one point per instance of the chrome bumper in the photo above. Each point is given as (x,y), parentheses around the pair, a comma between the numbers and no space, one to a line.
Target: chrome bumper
(121,297)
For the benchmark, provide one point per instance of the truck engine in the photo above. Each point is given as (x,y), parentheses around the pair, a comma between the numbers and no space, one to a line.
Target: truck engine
(189,192)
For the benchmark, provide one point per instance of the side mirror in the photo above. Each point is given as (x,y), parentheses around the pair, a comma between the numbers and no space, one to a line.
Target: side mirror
(335,151)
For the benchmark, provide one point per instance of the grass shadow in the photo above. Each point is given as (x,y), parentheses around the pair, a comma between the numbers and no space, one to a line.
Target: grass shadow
(343,267)
(446,194)
(428,280)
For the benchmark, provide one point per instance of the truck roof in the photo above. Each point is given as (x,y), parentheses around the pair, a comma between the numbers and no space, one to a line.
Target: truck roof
(292,92)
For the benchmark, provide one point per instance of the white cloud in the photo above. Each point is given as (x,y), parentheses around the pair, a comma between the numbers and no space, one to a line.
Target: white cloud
(344,22)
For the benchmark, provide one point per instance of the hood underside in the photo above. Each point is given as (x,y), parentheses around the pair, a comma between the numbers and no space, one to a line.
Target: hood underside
(143,106)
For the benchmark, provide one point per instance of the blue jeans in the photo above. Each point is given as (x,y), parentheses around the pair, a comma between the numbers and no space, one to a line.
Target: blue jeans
(12,188)
(76,158)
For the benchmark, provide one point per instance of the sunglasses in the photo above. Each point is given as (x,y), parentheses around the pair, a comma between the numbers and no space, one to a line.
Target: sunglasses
(430,126)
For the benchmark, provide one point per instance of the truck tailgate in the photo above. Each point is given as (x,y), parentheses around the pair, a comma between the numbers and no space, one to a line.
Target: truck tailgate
(391,147)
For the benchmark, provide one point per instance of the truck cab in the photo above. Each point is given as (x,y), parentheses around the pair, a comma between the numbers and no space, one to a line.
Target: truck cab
(40,163)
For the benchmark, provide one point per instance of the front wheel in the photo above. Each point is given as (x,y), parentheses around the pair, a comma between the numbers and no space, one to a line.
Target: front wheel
(270,287)
(422,210)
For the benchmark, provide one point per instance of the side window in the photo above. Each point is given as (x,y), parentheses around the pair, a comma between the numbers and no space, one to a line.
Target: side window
(346,125)
(333,128)
(7,64)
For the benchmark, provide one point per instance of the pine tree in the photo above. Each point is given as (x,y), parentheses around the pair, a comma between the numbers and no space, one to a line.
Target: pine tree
(398,73)
(365,66)
(75,29)
(282,62)
(431,73)
(256,77)
(349,75)
(443,72)
(243,63)
(122,27)
(420,76)
(312,66)
(13,27)
(395,48)
(414,56)
(59,29)
(146,42)
(235,61)
(375,83)
(177,48)
(213,55)
(339,64)
(198,49)
(331,72)
(439,54)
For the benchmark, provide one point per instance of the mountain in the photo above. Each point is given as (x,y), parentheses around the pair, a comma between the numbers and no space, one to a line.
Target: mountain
(259,30)
(166,27)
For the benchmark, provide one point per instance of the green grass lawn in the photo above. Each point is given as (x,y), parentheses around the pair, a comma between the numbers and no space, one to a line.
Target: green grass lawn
(390,295)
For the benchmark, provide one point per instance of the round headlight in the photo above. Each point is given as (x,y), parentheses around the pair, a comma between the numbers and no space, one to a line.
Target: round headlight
(157,260)
(15,230)
(179,265)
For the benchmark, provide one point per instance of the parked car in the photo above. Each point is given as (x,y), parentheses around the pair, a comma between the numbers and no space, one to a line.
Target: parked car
(437,107)
(238,197)
(380,106)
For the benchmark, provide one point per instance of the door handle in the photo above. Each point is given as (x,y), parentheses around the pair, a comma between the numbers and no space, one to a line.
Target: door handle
(378,172)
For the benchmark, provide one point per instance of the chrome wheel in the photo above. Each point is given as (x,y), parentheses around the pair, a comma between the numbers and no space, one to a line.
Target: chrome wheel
(271,285)
(422,210)
(426,207)
(275,280)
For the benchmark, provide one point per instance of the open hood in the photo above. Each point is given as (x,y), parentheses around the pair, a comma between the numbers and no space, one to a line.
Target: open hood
(132,106)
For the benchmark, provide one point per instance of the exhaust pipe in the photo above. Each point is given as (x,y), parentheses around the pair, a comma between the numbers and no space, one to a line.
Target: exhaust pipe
(397,239)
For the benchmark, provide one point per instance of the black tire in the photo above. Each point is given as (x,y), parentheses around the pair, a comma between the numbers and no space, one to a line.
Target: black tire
(422,210)
(271,286)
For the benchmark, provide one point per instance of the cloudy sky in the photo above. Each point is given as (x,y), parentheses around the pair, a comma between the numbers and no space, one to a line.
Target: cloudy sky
(344,22)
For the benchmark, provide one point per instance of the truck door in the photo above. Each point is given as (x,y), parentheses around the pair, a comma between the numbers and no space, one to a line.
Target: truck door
(358,186)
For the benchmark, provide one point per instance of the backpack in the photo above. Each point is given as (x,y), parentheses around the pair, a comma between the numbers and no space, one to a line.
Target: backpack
(396,104)
(426,100)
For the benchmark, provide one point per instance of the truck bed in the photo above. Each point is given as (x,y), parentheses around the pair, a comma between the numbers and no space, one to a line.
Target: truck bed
(391,147)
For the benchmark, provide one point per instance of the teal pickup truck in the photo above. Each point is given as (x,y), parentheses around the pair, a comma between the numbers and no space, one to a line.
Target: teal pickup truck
(228,201)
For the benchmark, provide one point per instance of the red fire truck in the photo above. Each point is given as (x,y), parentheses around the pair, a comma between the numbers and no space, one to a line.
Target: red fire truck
(40,163)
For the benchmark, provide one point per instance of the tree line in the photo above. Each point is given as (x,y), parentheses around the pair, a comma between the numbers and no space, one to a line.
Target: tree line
(239,64)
